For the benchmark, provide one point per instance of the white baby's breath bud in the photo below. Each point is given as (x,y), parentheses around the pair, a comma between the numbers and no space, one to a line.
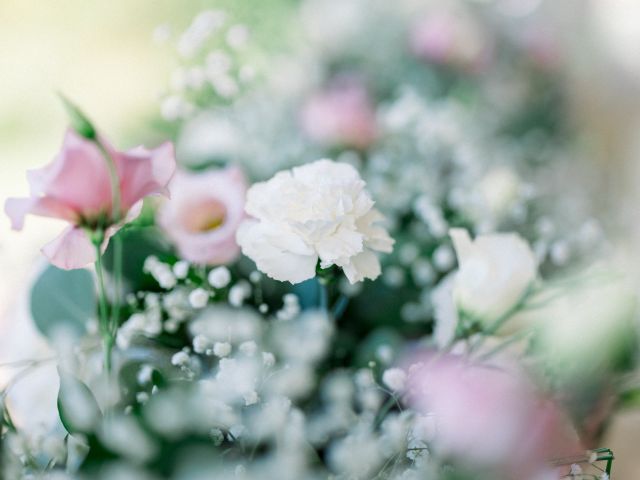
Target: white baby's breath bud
(248,348)
(364,378)
(171,325)
(198,298)
(166,278)
(221,349)
(172,108)
(161,272)
(290,299)
(263,308)
(201,344)
(268,359)
(225,86)
(237,36)
(393,276)
(246,73)
(218,63)
(239,293)
(254,277)
(217,437)
(422,272)
(408,253)
(384,353)
(291,307)
(443,258)
(151,300)
(394,378)
(181,269)
(180,359)
(559,252)
(219,277)
(144,375)
(251,398)
(142,397)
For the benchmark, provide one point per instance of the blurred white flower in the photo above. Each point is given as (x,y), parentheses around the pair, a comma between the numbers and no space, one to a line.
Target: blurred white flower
(320,211)
(495,271)
(198,298)
(181,269)
(219,277)
(239,293)
(224,324)
(394,378)
(583,331)
(445,313)
(221,349)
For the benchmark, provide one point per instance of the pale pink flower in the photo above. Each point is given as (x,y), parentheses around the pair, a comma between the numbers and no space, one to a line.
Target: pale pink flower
(204,213)
(76,187)
(489,416)
(450,38)
(342,115)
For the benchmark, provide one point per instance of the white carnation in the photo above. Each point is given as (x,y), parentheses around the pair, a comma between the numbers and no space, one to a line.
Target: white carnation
(319,211)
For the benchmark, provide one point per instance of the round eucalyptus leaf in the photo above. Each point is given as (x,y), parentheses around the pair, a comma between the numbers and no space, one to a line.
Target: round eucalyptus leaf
(63,300)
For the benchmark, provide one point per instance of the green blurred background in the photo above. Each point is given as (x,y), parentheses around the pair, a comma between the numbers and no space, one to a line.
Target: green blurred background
(103,56)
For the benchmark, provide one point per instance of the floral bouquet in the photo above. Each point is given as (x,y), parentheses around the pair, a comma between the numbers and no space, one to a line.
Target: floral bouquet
(338,272)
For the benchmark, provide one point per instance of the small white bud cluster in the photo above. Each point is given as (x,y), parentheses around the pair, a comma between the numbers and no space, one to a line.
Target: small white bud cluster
(161,272)
(239,293)
(290,308)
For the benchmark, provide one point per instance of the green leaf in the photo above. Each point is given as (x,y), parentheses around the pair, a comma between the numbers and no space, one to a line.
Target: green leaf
(77,407)
(63,299)
(78,120)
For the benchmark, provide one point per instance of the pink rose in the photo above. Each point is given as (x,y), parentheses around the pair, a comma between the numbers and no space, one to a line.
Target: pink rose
(76,187)
(490,417)
(204,213)
(341,115)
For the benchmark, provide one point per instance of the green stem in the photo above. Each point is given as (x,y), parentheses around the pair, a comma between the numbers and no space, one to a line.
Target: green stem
(105,328)
(382,413)
(117,277)
(112,327)
(323,295)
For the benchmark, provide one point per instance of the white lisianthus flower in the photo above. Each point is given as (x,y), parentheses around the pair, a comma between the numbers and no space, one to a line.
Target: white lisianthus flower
(319,211)
(494,273)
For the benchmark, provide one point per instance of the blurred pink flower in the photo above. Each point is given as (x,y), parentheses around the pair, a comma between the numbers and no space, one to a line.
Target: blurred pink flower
(450,38)
(204,213)
(342,115)
(490,417)
(541,46)
(76,187)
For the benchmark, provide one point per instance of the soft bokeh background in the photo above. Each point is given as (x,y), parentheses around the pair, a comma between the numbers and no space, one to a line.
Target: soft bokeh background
(102,54)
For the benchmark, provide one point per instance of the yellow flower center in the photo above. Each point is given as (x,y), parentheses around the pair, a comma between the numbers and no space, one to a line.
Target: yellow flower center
(205,216)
